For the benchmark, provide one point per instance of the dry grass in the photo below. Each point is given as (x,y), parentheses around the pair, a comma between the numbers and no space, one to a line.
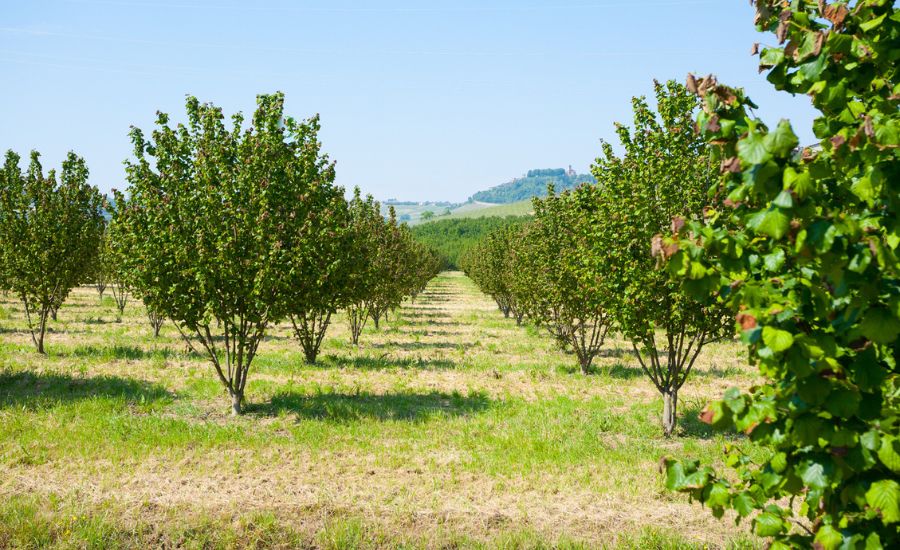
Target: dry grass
(450,426)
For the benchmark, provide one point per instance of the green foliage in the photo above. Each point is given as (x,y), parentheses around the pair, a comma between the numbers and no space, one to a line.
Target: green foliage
(49,234)
(664,174)
(534,184)
(541,271)
(218,221)
(394,265)
(805,246)
(451,238)
(489,265)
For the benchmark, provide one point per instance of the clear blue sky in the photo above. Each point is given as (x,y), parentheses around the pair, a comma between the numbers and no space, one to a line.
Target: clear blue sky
(419,100)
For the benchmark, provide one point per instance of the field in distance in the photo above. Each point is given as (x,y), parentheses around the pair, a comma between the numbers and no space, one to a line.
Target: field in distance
(449,427)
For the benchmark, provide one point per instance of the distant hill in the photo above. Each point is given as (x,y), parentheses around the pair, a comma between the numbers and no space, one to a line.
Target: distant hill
(519,208)
(534,184)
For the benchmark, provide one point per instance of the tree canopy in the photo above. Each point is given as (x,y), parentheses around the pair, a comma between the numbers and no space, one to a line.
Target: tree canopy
(50,230)
(217,221)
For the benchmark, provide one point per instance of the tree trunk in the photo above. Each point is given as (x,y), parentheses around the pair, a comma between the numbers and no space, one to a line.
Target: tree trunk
(42,329)
(670,408)
(237,400)
(40,340)
(585,360)
(53,313)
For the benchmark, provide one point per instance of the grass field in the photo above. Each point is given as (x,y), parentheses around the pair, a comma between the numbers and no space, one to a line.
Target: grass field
(520,208)
(451,427)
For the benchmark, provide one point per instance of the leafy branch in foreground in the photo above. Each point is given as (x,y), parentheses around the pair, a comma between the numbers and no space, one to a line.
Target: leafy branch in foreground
(804,247)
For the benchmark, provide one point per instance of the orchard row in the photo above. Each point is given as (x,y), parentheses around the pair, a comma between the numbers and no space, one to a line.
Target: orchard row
(711,224)
(223,230)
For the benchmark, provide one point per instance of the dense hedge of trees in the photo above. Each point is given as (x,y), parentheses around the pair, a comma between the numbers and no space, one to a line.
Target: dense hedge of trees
(534,184)
(451,238)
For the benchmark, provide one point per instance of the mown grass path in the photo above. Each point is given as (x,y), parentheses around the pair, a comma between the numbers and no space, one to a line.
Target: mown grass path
(449,426)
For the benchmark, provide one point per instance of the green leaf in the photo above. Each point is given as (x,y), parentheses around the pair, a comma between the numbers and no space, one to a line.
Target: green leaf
(752,149)
(872,23)
(889,453)
(884,497)
(813,475)
(880,325)
(784,200)
(783,140)
(772,222)
(776,339)
(828,538)
(743,504)
(768,524)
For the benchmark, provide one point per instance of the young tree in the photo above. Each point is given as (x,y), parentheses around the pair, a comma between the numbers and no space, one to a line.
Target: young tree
(542,272)
(805,248)
(488,264)
(49,234)
(390,263)
(156,321)
(366,224)
(98,270)
(321,275)
(214,224)
(665,174)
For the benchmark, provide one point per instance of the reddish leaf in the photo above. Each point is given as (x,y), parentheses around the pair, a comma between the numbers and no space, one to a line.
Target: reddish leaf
(836,13)
(732,165)
(746,320)
(706,415)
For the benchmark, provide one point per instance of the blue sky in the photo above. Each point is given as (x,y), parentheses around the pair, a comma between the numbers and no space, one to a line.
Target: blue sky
(419,100)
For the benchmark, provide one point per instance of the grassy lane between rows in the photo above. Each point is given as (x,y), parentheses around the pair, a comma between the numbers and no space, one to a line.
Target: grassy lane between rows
(449,427)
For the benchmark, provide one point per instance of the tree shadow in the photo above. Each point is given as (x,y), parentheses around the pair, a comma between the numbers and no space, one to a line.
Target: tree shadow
(352,407)
(413,346)
(127,352)
(436,321)
(689,423)
(384,363)
(38,390)
(615,352)
(623,372)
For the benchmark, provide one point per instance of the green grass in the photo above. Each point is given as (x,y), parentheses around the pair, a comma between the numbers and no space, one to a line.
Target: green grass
(521,208)
(449,427)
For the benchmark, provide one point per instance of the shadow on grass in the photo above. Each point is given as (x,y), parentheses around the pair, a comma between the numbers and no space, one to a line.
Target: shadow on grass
(616,370)
(430,322)
(127,352)
(350,407)
(34,390)
(413,346)
(383,363)
(623,372)
(689,423)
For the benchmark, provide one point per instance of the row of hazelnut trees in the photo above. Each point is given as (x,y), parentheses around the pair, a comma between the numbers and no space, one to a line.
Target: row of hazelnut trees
(798,246)
(225,230)
(582,267)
